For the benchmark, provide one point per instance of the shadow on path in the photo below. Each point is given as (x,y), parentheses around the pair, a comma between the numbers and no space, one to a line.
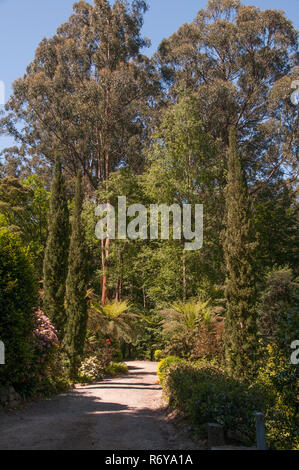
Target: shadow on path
(120,414)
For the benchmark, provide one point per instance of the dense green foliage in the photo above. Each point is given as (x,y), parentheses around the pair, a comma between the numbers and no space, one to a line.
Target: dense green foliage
(158,355)
(164,365)
(116,368)
(240,320)
(24,208)
(275,221)
(32,353)
(278,317)
(208,394)
(207,120)
(76,287)
(280,380)
(114,319)
(18,298)
(238,60)
(45,374)
(56,253)
(192,330)
(93,369)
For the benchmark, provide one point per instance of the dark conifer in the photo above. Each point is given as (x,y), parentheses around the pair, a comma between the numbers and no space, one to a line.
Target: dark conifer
(76,287)
(56,253)
(240,331)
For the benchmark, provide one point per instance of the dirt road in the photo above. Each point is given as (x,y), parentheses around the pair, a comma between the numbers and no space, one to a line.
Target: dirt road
(115,414)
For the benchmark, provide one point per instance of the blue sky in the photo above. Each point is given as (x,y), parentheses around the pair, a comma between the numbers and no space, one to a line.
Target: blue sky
(23,23)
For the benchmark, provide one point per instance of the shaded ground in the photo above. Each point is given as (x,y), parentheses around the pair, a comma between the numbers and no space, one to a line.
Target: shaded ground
(116,414)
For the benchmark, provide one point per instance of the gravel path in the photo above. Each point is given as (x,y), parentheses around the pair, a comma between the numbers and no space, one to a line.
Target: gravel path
(123,413)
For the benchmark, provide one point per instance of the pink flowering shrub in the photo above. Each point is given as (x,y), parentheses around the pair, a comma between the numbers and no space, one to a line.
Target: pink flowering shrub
(42,369)
(45,334)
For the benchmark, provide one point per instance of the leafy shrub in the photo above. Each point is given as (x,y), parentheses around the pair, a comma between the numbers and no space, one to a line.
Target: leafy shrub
(165,364)
(116,368)
(45,333)
(91,369)
(18,297)
(33,363)
(99,353)
(206,394)
(278,317)
(117,355)
(182,344)
(184,316)
(180,323)
(280,379)
(193,330)
(208,341)
(51,385)
(99,347)
(43,371)
(113,319)
(158,355)
(278,323)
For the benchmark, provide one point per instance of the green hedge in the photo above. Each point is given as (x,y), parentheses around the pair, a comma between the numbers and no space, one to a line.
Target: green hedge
(18,298)
(165,364)
(280,379)
(158,355)
(208,394)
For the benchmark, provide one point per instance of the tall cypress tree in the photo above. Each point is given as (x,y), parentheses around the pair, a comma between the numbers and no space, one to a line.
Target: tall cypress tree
(240,331)
(56,253)
(76,287)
